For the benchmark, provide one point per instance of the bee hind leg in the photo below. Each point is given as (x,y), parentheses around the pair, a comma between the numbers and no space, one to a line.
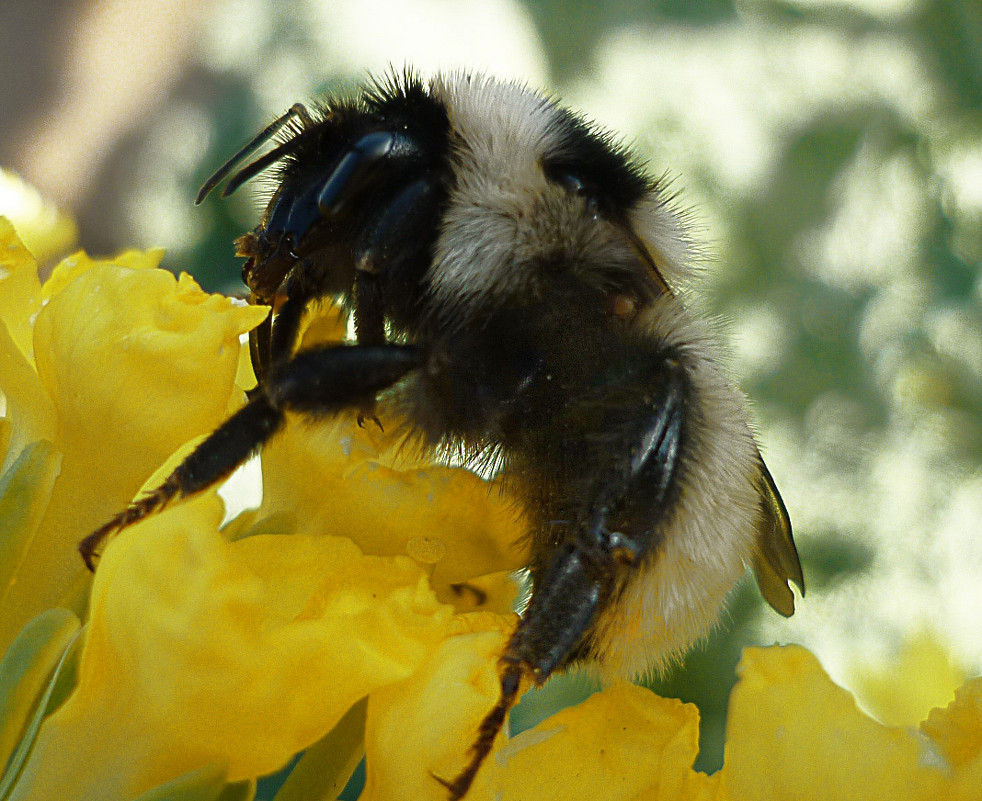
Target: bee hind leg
(615,507)
(572,590)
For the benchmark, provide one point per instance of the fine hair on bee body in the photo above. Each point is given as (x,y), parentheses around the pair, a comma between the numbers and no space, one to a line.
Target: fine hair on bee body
(517,285)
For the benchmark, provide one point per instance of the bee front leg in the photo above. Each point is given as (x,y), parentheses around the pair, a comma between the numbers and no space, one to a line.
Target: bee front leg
(315,382)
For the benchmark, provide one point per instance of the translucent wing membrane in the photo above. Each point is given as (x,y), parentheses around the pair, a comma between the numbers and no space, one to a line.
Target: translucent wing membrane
(776,562)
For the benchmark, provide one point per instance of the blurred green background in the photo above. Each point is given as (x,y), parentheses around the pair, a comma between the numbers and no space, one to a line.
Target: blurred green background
(831,156)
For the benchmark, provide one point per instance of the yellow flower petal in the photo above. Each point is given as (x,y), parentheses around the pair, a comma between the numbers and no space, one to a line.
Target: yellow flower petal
(957,732)
(424,726)
(46,230)
(622,743)
(447,518)
(903,689)
(793,734)
(135,362)
(325,322)
(205,652)
(31,415)
(326,767)
(20,288)
(139,354)
(245,376)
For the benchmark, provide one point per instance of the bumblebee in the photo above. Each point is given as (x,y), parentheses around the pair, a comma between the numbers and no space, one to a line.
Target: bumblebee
(515,281)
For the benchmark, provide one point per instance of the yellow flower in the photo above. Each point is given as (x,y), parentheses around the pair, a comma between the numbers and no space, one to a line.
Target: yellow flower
(210,657)
(902,690)
(467,538)
(423,726)
(207,658)
(46,230)
(121,364)
(793,734)
(956,731)
(417,507)
(202,652)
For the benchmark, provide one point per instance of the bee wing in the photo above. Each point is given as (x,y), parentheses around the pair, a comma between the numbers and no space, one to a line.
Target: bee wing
(776,561)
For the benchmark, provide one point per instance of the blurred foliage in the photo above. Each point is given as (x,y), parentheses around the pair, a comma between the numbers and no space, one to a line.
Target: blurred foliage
(571,31)
(833,155)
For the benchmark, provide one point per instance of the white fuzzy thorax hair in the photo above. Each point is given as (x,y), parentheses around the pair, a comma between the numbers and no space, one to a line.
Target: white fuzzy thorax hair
(501,215)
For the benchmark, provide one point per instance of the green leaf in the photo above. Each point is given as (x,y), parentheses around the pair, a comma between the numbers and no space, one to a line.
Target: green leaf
(27,668)
(239,791)
(325,768)
(25,489)
(54,621)
(204,784)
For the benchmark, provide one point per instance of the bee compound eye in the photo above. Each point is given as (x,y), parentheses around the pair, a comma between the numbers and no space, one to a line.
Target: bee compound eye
(572,184)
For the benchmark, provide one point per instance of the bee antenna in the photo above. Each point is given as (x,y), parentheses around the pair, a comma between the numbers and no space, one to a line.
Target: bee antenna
(296,111)
(253,168)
